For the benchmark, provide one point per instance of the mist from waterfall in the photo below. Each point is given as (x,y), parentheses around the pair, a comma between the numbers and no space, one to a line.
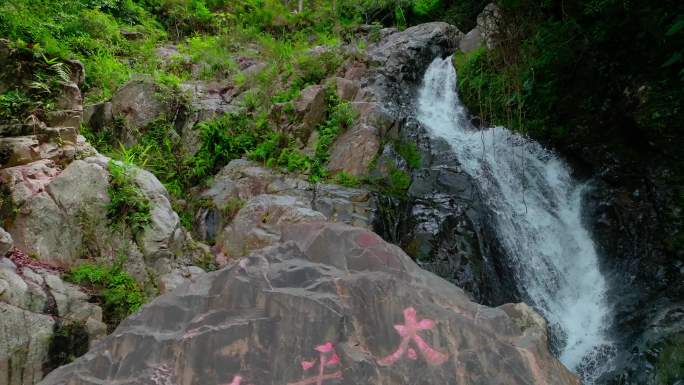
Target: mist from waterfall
(536,208)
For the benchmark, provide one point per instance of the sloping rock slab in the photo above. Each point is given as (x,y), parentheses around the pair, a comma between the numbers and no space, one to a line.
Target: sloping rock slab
(332,305)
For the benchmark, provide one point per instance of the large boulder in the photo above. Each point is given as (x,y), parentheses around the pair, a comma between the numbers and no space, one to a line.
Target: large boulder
(241,181)
(36,306)
(332,304)
(402,56)
(301,117)
(488,24)
(310,107)
(138,103)
(61,216)
(260,224)
(471,41)
(354,150)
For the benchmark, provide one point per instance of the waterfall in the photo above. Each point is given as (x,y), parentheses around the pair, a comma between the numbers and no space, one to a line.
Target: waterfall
(536,208)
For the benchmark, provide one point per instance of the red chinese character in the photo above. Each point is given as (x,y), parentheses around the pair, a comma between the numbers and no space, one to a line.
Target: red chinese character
(408,332)
(327,358)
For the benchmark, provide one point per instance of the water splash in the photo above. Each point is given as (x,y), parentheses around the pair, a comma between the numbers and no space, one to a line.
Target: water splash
(536,206)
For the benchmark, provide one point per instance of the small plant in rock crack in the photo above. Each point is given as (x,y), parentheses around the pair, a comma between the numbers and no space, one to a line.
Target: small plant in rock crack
(128,205)
(118,293)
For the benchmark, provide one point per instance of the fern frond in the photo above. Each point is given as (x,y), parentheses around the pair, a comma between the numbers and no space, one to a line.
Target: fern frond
(41,86)
(62,71)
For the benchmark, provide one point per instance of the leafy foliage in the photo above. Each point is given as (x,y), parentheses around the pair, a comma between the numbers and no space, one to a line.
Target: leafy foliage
(346,180)
(223,139)
(117,292)
(409,151)
(87,30)
(128,205)
(13,104)
(572,73)
(461,13)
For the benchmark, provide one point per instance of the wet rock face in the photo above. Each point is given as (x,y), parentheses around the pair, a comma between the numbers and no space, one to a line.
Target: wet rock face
(644,275)
(316,309)
(441,222)
(373,83)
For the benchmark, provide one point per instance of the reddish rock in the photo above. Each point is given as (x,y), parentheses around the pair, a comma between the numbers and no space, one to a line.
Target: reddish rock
(346,89)
(310,108)
(355,70)
(354,150)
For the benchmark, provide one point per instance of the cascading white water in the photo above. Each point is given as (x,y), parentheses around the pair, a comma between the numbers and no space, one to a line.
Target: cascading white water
(536,206)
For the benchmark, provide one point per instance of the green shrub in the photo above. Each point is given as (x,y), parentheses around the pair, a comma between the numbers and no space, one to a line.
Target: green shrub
(312,68)
(8,210)
(97,24)
(13,104)
(128,205)
(223,139)
(232,207)
(346,180)
(293,160)
(184,17)
(269,148)
(31,83)
(409,152)
(402,13)
(399,182)
(85,30)
(340,118)
(105,74)
(117,292)
(670,364)
(212,54)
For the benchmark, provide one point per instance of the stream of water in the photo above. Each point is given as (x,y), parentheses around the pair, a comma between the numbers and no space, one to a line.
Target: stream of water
(536,205)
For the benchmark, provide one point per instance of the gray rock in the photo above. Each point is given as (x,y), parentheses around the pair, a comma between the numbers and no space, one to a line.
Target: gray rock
(346,89)
(471,41)
(24,342)
(42,229)
(69,97)
(98,116)
(488,24)
(260,223)
(77,72)
(316,308)
(180,276)
(137,103)
(400,56)
(242,180)
(6,242)
(29,299)
(63,216)
(309,112)
(19,150)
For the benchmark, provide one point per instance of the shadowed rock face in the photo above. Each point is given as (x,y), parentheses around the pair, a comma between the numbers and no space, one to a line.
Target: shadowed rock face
(331,304)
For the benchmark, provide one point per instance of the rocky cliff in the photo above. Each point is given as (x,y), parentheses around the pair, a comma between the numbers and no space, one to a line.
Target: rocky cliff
(299,300)
(328,304)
